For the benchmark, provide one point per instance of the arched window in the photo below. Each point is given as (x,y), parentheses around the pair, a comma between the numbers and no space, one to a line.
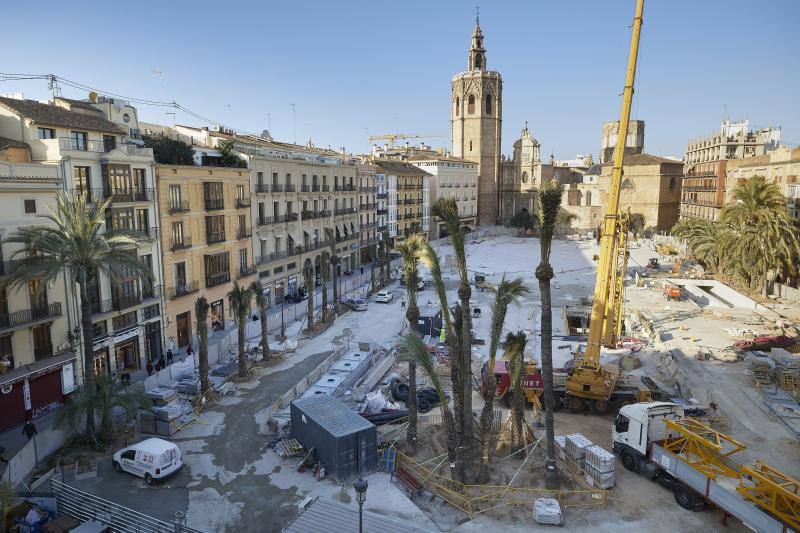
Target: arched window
(471,104)
(488,104)
(524,177)
(458,106)
(478,61)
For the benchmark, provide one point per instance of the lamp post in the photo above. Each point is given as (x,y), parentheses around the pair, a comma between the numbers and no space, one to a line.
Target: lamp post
(360,486)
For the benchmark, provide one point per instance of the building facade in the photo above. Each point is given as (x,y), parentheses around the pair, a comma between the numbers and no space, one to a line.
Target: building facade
(97,149)
(706,161)
(634,142)
(476,123)
(367,213)
(207,242)
(406,198)
(450,177)
(780,166)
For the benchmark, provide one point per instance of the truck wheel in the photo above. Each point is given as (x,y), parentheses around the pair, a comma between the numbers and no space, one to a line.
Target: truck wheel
(684,497)
(117,466)
(148,479)
(577,405)
(600,407)
(628,460)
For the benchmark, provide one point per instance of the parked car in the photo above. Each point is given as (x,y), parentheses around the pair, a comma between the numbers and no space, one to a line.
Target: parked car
(384,297)
(150,459)
(356,304)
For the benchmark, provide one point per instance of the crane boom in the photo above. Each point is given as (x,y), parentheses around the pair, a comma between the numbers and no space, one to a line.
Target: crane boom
(589,380)
(392,137)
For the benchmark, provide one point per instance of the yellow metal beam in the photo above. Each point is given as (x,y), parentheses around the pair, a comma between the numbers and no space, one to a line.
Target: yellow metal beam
(773,491)
(703,448)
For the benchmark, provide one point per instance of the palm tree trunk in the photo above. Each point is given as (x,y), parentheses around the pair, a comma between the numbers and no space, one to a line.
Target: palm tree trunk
(88,353)
(544,273)
(310,305)
(412,315)
(240,338)
(336,295)
(202,354)
(467,441)
(487,417)
(265,351)
(325,297)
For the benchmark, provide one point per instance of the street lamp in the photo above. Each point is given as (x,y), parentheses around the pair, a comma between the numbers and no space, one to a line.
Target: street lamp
(360,486)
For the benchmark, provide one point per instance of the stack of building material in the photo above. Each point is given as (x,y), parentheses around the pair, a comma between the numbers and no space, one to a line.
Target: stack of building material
(561,443)
(576,445)
(787,369)
(599,467)
(760,370)
(547,511)
(161,396)
(168,412)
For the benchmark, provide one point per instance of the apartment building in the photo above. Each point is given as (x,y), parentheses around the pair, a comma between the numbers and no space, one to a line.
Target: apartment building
(207,242)
(706,160)
(450,177)
(780,166)
(96,146)
(405,202)
(367,212)
(37,334)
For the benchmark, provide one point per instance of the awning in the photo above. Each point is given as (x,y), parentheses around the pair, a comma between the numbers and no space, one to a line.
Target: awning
(36,368)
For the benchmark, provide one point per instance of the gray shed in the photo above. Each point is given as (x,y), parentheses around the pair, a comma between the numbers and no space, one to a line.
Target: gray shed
(322,515)
(344,441)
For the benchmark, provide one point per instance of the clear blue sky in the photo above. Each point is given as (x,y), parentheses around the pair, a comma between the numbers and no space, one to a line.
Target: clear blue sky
(358,68)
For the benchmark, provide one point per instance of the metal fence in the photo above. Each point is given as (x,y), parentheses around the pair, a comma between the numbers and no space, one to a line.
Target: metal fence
(83,506)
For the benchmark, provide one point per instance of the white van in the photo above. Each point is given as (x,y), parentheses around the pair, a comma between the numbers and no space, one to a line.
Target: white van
(151,459)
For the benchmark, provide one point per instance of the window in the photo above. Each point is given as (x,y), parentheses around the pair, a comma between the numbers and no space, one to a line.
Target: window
(458,105)
(263,245)
(215,229)
(177,233)
(175,196)
(217,269)
(83,182)
(260,178)
(42,342)
(117,179)
(243,259)
(78,140)
(621,424)
(274,178)
(100,329)
(488,104)
(478,61)
(524,177)
(46,133)
(109,143)
(30,206)
(6,350)
(470,146)
(240,192)
(471,104)
(142,219)
(213,195)
(588,197)
(288,179)
(120,219)
(139,180)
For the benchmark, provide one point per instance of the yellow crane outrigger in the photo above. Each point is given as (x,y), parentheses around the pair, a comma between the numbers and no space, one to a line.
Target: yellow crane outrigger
(590,381)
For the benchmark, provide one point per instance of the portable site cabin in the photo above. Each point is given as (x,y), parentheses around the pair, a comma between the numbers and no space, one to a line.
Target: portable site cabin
(343,441)
(430,321)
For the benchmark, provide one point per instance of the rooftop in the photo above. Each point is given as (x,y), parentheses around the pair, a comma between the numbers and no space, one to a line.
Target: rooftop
(12,143)
(53,115)
(323,515)
(399,167)
(645,159)
(331,414)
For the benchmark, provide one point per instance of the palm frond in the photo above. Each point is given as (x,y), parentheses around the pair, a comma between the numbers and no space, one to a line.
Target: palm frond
(548,206)
(411,348)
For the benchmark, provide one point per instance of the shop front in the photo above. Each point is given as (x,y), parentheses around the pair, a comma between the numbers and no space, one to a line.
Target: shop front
(217,313)
(126,350)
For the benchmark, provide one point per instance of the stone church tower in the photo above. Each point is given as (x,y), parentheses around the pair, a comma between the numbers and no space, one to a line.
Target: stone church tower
(477,111)
(521,177)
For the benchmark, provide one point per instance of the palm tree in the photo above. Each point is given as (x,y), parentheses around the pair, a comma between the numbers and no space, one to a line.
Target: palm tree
(201,312)
(308,278)
(73,242)
(261,301)
(372,255)
(446,210)
(409,251)
(239,302)
(704,238)
(326,272)
(384,258)
(507,292)
(549,204)
(410,347)
(514,353)
(333,261)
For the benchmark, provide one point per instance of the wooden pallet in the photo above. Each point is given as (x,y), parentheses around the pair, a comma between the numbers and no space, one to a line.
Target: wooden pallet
(789,381)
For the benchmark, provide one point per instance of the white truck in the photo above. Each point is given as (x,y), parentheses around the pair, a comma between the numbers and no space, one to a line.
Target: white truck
(694,461)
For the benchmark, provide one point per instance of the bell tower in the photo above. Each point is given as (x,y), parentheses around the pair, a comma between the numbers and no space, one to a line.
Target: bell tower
(476,120)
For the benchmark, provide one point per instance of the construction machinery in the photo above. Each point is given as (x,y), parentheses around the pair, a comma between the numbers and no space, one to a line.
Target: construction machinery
(697,463)
(392,137)
(590,381)
(532,382)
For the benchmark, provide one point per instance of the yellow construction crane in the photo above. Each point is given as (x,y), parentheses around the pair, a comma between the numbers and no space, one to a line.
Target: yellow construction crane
(590,381)
(392,137)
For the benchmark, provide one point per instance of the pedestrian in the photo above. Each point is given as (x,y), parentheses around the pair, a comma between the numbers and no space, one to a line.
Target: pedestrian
(403,303)
(160,365)
(362,270)
(149,367)
(170,357)
(29,430)
(189,351)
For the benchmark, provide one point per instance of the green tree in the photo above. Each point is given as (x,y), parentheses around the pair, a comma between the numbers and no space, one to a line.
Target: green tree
(411,348)
(514,348)
(228,157)
(74,242)
(409,252)
(446,210)
(563,222)
(201,309)
(636,224)
(507,292)
(168,151)
(326,273)
(704,238)
(372,254)
(261,301)
(308,278)
(549,205)
(7,496)
(239,303)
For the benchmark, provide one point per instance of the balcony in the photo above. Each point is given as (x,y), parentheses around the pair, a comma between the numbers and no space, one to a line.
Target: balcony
(345,238)
(217,279)
(179,206)
(183,290)
(122,301)
(290,187)
(213,238)
(325,213)
(262,188)
(214,204)
(150,234)
(326,188)
(382,212)
(315,188)
(242,203)
(123,195)
(308,215)
(350,187)
(247,270)
(382,229)
(305,188)
(419,201)
(344,211)
(337,188)
(382,195)
(290,217)
(80,145)
(180,244)
(26,317)
(265,221)
(244,233)
(277,187)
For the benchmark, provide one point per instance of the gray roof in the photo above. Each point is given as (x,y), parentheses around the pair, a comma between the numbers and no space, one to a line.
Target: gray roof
(333,415)
(399,167)
(328,516)
(53,115)
(12,143)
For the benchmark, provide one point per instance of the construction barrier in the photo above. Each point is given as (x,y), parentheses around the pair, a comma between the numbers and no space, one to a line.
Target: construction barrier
(476,499)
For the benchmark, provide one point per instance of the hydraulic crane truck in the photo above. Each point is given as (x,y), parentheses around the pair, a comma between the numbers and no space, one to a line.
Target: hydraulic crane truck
(696,463)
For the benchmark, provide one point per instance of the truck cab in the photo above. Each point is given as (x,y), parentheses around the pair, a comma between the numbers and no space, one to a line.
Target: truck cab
(637,426)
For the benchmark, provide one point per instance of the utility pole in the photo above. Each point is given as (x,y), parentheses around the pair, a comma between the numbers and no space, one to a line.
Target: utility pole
(294,122)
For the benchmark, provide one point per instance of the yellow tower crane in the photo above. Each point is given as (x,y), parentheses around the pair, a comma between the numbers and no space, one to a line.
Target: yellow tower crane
(392,137)
(590,381)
